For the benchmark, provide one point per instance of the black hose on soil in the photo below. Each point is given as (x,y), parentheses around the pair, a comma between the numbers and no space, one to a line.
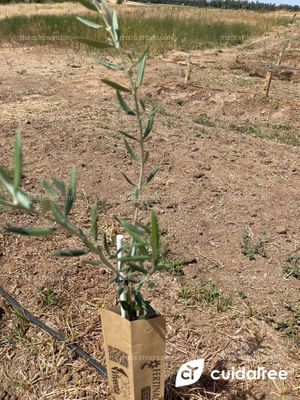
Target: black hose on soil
(56,335)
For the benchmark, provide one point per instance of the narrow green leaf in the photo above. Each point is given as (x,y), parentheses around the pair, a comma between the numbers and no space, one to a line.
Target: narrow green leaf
(149,126)
(46,185)
(94,218)
(106,246)
(91,24)
(127,179)
(23,200)
(69,253)
(116,26)
(126,306)
(88,4)
(124,105)
(71,193)
(111,66)
(152,174)
(141,69)
(107,11)
(134,231)
(20,199)
(37,232)
(18,161)
(58,216)
(129,136)
(154,237)
(130,150)
(136,195)
(143,105)
(133,258)
(60,186)
(116,86)
(138,268)
(94,43)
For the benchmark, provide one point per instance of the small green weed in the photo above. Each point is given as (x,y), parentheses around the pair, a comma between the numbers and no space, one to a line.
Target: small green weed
(280,127)
(250,311)
(248,129)
(280,134)
(175,265)
(292,267)
(48,297)
(20,325)
(204,120)
(291,326)
(250,248)
(205,292)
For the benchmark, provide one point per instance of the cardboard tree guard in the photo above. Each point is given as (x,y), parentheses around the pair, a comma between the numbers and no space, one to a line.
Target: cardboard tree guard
(135,356)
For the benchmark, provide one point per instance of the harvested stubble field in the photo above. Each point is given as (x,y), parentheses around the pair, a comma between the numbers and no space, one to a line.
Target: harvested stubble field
(230,171)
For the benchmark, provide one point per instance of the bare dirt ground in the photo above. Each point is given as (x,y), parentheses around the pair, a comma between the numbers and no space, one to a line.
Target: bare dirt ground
(226,165)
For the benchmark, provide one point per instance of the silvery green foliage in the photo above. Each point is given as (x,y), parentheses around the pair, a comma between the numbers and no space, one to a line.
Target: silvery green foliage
(141,254)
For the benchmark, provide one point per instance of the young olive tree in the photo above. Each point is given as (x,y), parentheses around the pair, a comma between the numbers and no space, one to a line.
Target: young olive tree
(139,258)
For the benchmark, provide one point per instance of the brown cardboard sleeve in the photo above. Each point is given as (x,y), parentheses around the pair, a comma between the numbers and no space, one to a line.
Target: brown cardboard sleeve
(135,356)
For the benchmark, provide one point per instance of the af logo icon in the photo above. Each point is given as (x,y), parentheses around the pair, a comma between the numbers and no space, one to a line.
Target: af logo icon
(189,373)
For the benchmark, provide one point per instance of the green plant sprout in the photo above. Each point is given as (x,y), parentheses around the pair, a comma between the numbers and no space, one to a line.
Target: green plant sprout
(139,258)
(250,248)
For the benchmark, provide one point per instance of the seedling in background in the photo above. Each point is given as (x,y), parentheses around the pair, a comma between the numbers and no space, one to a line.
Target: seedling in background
(141,252)
(48,297)
(292,267)
(250,248)
(205,292)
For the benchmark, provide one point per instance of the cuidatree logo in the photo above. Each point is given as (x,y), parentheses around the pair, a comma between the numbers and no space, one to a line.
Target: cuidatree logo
(189,373)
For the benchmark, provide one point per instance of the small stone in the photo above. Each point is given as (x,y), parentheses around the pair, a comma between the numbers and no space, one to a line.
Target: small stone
(27,122)
(75,66)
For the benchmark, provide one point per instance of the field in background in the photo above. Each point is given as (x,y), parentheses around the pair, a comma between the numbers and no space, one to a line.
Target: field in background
(168,28)
(227,196)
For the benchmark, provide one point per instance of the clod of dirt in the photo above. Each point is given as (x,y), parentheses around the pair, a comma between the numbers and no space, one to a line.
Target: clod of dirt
(281,230)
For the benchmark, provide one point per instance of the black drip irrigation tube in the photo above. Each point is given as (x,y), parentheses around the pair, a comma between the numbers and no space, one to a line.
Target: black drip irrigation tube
(56,335)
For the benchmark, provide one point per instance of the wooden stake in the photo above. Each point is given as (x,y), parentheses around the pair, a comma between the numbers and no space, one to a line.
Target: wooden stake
(188,70)
(269,73)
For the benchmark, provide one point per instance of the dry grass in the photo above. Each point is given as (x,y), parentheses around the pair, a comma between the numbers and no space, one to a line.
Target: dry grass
(146,11)
(23,9)
(166,27)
